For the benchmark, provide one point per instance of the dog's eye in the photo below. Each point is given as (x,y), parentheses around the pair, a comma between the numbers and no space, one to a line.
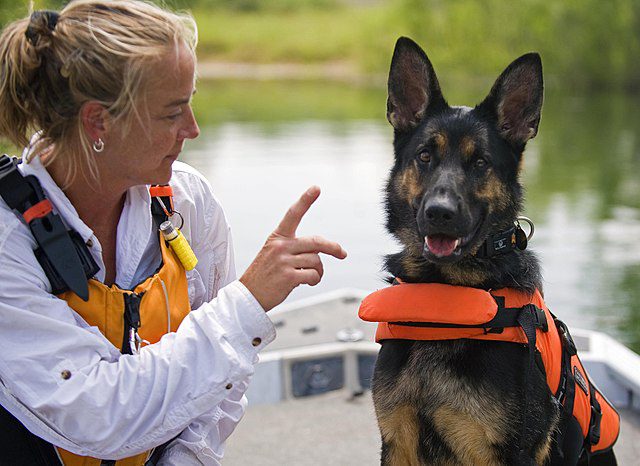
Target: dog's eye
(424,156)
(481,163)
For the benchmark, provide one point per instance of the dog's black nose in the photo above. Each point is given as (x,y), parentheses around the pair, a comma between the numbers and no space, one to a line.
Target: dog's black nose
(441,212)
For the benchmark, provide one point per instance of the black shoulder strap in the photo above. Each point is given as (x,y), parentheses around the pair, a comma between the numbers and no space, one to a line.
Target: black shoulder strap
(65,259)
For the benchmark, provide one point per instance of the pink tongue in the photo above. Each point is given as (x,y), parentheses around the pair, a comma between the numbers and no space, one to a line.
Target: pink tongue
(441,245)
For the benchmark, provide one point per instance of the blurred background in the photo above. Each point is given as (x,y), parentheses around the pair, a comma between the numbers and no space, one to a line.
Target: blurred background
(292,93)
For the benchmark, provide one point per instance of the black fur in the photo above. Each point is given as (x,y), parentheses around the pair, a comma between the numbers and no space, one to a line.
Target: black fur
(456,177)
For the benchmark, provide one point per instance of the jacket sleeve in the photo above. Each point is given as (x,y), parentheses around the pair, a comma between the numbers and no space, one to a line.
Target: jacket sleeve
(114,406)
(202,442)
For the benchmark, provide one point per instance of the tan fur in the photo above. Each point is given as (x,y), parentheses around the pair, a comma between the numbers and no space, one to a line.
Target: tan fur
(494,191)
(399,429)
(408,185)
(545,450)
(467,146)
(469,438)
(458,275)
(441,142)
(412,266)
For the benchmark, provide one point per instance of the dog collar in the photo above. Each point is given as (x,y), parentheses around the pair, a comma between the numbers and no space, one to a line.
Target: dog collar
(506,241)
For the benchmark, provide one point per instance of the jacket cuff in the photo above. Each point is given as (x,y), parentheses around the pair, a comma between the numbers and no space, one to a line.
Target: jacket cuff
(252,323)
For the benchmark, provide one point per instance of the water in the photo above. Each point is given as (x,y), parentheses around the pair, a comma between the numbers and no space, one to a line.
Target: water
(583,192)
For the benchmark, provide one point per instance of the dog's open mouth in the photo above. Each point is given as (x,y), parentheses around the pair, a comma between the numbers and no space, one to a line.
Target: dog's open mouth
(441,245)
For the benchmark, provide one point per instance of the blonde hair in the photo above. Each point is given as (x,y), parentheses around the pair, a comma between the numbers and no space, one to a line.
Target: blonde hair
(52,63)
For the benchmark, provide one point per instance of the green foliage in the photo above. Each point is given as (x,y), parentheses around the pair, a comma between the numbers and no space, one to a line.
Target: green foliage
(252,5)
(583,43)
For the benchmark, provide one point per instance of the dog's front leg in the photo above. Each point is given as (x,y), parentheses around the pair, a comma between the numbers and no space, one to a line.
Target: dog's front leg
(399,431)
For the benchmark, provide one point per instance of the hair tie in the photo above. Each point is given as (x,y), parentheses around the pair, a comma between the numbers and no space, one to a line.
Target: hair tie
(51,19)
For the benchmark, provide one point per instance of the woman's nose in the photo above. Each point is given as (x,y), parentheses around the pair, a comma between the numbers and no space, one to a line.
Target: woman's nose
(190,130)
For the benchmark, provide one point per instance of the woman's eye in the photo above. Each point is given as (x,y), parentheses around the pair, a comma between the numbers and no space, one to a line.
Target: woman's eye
(424,156)
(174,117)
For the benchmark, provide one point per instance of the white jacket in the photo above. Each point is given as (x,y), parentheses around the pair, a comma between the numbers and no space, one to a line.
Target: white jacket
(190,384)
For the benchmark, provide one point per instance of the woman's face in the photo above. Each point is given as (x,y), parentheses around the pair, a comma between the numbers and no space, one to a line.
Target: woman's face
(144,152)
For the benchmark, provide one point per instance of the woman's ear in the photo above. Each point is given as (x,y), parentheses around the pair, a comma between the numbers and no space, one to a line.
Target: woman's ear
(93,117)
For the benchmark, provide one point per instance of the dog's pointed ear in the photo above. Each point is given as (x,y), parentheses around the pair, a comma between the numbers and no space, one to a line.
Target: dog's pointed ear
(413,86)
(515,100)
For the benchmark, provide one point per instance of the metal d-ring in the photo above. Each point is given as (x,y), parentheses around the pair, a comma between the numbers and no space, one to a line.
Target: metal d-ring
(531,226)
(181,218)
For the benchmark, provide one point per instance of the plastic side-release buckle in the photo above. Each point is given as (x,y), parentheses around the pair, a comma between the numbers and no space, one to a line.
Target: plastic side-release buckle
(596,417)
(568,342)
(594,426)
(539,316)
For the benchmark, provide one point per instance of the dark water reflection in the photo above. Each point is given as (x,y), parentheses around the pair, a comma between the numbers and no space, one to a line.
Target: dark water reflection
(263,143)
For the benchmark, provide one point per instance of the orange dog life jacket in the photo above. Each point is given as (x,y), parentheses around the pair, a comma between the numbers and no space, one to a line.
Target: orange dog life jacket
(432,311)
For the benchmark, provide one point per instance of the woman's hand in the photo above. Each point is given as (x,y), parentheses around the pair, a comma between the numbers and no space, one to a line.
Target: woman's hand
(284,262)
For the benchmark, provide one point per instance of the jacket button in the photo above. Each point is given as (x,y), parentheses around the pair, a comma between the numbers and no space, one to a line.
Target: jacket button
(65,374)
(256,341)
(229,386)
(90,243)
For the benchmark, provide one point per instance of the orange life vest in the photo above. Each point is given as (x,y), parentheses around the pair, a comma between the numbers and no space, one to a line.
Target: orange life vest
(126,317)
(432,311)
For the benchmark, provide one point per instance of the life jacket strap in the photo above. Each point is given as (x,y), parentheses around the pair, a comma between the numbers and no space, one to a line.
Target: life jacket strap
(505,317)
(131,322)
(527,319)
(62,254)
(161,203)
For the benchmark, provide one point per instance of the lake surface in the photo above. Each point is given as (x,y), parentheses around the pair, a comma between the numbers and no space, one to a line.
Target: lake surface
(263,144)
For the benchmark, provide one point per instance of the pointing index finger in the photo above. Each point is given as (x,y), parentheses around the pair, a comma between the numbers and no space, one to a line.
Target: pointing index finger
(292,218)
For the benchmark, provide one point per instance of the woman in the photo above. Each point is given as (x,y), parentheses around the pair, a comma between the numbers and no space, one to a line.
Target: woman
(107,87)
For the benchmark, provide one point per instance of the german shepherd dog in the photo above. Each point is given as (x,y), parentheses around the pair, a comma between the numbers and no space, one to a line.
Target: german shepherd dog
(454,182)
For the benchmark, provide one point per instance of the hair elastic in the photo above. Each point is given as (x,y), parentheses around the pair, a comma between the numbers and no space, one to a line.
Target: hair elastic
(51,18)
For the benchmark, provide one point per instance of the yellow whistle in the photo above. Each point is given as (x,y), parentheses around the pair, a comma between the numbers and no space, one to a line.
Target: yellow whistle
(179,244)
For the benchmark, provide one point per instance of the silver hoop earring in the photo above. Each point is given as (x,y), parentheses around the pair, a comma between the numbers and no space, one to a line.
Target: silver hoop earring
(98,146)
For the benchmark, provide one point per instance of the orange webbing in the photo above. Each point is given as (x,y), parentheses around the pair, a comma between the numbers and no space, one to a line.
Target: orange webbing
(37,210)
(161,191)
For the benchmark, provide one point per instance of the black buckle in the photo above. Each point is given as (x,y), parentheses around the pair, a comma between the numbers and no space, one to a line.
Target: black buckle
(7,165)
(594,427)
(56,251)
(540,318)
(569,345)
